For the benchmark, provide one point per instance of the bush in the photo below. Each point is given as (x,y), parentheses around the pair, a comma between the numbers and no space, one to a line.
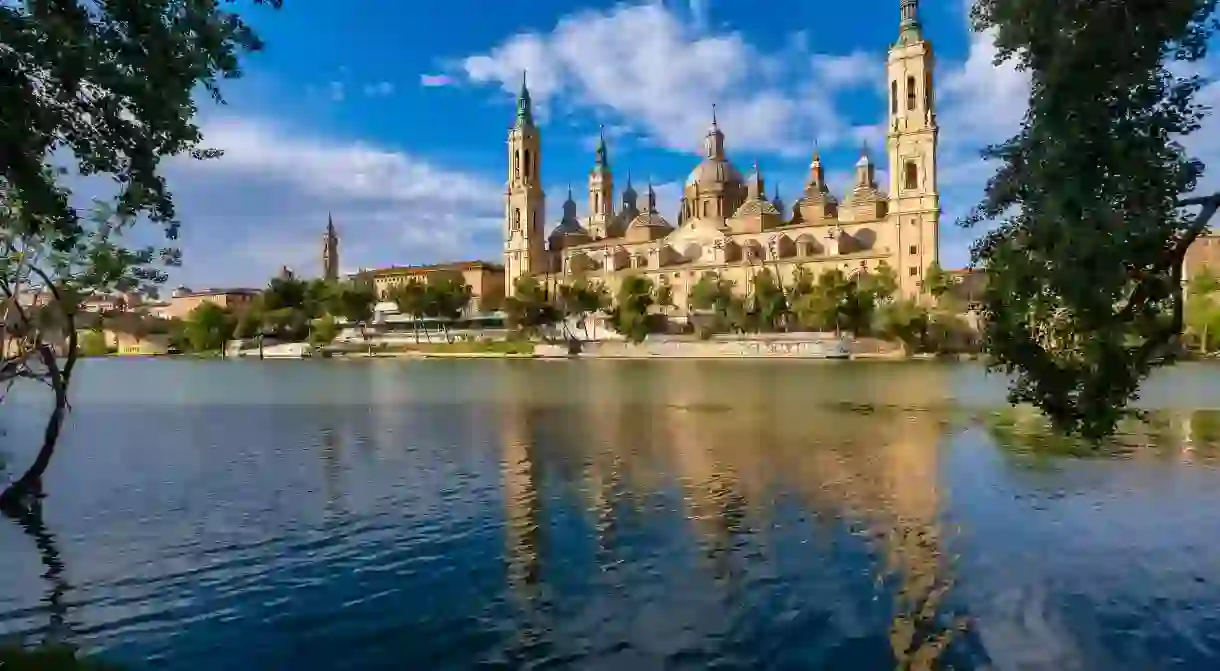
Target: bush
(91,343)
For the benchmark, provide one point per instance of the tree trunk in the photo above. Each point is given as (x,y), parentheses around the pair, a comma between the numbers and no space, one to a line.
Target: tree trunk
(20,495)
(1203,340)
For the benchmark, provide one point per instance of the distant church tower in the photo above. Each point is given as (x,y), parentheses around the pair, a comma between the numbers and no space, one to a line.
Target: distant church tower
(911,144)
(330,252)
(525,203)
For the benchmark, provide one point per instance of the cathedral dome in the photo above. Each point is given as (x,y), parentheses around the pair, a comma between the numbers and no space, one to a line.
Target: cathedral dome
(714,171)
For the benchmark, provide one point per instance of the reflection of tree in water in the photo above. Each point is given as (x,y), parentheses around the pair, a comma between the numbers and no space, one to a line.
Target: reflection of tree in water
(59,629)
(1185,435)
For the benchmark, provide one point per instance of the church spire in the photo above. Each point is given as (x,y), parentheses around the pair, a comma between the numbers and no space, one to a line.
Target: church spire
(601,158)
(525,108)
(714,142)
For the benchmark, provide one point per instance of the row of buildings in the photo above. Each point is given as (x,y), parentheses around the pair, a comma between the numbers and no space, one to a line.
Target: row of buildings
(725,225)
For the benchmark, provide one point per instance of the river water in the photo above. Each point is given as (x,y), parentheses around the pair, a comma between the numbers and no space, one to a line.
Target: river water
(209,515)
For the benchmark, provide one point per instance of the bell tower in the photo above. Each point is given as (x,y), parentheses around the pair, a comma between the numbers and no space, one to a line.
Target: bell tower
(914,207)
(525,203)
(330,252)
(601,192)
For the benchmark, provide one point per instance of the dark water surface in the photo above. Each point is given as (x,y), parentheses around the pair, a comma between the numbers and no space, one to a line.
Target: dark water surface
(678,515)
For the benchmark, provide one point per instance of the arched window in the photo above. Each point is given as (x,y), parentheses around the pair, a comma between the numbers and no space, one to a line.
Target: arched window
(894,97)
(910,93)
(910,175)
(517,219)
(516,165)
(705,208)
(527,164)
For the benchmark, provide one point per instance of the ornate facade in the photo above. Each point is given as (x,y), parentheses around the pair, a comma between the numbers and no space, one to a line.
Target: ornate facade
(726,225)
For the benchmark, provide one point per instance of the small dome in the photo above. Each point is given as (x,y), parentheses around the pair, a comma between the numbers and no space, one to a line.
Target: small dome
(714,171)
(649,220)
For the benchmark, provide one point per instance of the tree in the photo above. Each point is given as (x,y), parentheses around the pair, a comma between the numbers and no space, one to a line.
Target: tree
(110,87)
(286,292)
(445,298)
(412,300)
(907,322)
(324,330)
(1201,309)
(209,327)
(354,302)
(528,309)
(581,298)
(1083,297)
(768,302)
(715,295)
(629,317)
(936,282)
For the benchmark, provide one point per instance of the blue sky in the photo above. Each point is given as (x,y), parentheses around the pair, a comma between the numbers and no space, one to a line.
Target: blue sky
(392,116)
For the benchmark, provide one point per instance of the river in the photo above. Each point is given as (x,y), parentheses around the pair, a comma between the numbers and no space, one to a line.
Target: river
(272,515)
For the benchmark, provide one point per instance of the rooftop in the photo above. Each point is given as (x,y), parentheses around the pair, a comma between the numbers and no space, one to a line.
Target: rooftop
(452,265)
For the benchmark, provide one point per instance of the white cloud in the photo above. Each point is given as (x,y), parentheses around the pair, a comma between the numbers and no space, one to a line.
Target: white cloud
(264,204)
(430,81)
(647,67)
(337,91)
(858,68)
(380,89)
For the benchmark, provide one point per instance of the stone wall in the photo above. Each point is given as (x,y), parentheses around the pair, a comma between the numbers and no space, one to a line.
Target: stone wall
(807,346)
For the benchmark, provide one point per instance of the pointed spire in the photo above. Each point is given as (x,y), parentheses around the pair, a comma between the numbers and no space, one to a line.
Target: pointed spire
(714,142)
(776,200)
(330,225)
(652,198)
(525,108)
(601,159)
(570,192)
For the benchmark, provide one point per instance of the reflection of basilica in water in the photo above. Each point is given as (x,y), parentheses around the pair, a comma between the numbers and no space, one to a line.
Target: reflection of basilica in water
(729,441)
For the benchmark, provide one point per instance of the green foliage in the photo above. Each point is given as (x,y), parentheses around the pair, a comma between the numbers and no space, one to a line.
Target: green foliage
(936,282)
(1083,297)
(286,293)
(1202,310)
(130,71)
(92,343)
(629,317)
(324,330)
(529,309)
(907,322)
(48,658)
(581,298)
(354,302)
(208,327)
(768,305)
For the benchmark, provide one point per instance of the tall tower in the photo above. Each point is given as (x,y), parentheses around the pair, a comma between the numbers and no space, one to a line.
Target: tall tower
(601,192)
(525,203)
(914,206)
(330,252)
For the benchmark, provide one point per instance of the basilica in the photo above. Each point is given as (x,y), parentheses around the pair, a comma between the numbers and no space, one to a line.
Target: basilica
(726,226)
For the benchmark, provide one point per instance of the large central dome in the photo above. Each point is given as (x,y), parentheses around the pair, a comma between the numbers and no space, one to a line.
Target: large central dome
(715,171)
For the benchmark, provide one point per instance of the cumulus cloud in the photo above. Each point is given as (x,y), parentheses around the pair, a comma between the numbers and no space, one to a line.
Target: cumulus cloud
(265,204)
(649,68)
